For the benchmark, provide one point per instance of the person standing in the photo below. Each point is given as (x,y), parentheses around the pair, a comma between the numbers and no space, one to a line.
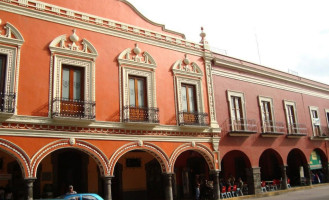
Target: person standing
(71,191)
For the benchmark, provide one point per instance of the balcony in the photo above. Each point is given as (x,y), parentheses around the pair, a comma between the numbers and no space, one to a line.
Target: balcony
(193,119)
(242,127)
(7,102)
(296,130)
(73,109)
(320,133)
(141,114)
(272,129)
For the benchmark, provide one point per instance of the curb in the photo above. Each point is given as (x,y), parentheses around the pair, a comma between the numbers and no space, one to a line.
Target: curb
(274,193)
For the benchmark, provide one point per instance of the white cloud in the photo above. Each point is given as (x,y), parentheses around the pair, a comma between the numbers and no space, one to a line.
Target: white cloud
(291,34)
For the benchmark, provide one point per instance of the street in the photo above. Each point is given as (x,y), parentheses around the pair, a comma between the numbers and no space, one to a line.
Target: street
(316,193)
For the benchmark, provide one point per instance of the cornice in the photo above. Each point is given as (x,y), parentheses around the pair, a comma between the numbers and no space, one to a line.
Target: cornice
(266,82)
(46,121)
(112,137)
(60,15)
(263,73)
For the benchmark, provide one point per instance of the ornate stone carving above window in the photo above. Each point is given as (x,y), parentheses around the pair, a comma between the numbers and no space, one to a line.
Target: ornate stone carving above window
(184,67)
(78,55)
(10,44)
(135,63)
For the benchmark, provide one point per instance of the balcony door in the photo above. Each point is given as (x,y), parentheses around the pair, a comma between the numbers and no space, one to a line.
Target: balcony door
(189,103)
(237,113)
(138,110)
(292,126)
(72,102)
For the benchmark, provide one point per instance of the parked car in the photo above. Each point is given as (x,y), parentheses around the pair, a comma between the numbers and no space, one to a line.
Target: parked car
(82,196)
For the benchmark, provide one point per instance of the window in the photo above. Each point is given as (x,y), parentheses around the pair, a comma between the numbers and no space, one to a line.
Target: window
(73,76)
(290,108)
(327,116)
(137,99)
(137,87)
(236,105)
(189,94)
(315,121)
(266,110)
(10,45)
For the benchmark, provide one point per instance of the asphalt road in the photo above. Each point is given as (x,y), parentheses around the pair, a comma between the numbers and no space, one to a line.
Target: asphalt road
(315,193)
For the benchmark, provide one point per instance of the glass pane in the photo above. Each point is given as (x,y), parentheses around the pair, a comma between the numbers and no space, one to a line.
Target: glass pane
(141,93)
(66,84)
(184,99)
(191,99)
(77,85)
(132,92)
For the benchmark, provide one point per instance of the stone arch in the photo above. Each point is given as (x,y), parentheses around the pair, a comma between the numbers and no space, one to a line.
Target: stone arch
(20,156)
(200,148)
(275,153)
(80,145)
(154,150)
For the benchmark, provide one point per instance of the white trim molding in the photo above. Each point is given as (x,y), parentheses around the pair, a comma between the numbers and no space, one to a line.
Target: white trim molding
(10,46)
(73,53)
(134,62)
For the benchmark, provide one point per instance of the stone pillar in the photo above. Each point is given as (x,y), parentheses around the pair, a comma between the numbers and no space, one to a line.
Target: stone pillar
(253,180)
(326,172)
(215,175)
(168,186)
(308,175)
(284,177)
(29,188)
(108,187)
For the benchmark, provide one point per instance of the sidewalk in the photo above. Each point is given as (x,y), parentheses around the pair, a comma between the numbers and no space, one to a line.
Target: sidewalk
(278,192)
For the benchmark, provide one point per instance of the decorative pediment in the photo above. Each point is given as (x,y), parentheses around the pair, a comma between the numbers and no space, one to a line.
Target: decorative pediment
(135,57)
(185,67)
(73,46)
(11,35)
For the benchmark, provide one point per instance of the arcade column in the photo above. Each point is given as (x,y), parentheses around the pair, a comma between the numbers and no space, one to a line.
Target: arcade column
(253,180)
(108,187)
(168,186)
(215,176)
(284,177)
(29,188)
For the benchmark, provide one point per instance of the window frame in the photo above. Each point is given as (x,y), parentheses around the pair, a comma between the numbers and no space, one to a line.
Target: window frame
(240,95)
(269,100)
(293,105)
(68,52)
(316,109)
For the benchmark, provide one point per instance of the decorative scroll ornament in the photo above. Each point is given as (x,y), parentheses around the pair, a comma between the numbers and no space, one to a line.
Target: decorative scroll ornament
(140,143)
(11,35)
(185,67)
(136,57)
(72,46)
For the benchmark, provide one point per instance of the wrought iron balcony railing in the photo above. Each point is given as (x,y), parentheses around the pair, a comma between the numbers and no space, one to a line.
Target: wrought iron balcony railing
(321,131)
(7,102)
(73,108)
(137,114)
(243,125)
(297,129)
(193,118)
(272,127)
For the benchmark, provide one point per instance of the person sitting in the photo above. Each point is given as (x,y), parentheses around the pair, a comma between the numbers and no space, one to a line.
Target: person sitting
(71,191)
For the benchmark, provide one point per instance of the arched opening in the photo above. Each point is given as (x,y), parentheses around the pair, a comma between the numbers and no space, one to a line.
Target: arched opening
(271,165)
(234,166)
(66,167)
(297,170)
(12,182)
(318,166)
(138,175)
(191,168)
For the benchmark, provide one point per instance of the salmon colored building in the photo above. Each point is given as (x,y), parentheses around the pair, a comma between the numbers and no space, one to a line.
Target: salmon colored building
(95,95)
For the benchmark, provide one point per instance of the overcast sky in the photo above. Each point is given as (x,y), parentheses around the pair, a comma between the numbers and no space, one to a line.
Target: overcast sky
(288,34)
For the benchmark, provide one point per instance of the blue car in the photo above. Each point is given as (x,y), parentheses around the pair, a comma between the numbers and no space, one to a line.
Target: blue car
(81,196)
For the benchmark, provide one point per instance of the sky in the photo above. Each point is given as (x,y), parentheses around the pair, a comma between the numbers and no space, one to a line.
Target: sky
(288,35)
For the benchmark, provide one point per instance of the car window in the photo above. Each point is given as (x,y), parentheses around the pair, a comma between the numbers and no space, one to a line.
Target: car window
(88,197)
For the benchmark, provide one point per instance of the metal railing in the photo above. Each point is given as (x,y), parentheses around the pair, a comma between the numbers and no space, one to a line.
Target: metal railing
(270,126)
(73,108)
(7,102)
(243,125)
(297,129)
(193,118)
(143,114)
(321,131)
